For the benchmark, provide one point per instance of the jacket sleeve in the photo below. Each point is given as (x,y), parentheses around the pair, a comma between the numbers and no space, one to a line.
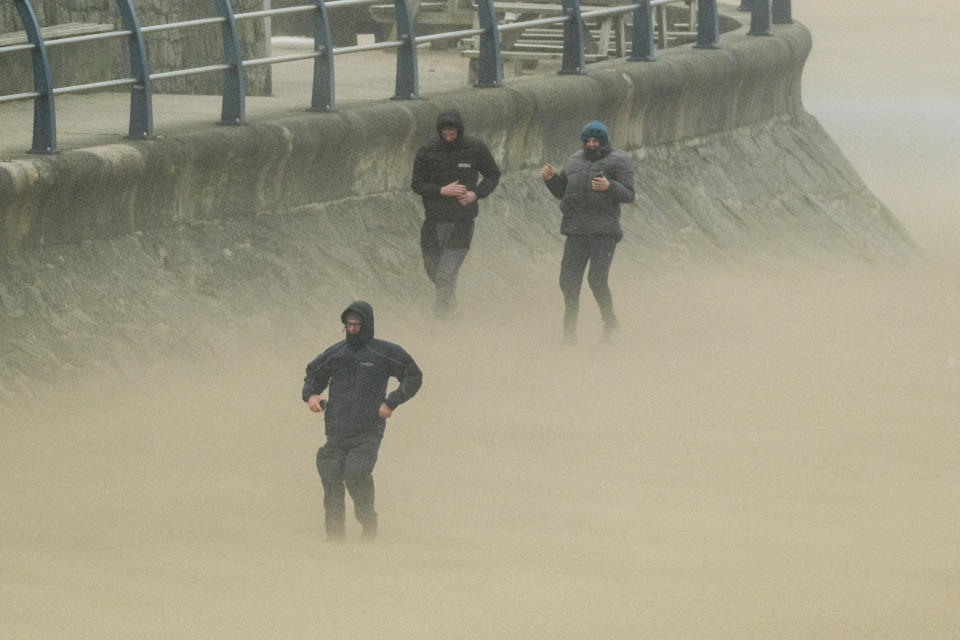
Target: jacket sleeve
(557,184)
(621,183)
(422,182)
(318,376)
(403,368)
(489,170)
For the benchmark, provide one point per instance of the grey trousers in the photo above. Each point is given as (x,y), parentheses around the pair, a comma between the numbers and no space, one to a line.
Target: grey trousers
(444,247)
(346,464)
(578,251)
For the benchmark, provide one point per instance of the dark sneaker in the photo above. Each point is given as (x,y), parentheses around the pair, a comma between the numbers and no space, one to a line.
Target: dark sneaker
(569,328)
(609,328)
(336,529)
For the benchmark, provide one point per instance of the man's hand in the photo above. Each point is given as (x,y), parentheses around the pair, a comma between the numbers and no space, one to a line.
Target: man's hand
(454,190)
(467,198)
(600,183)
(385,411)
(547,172)
(314,403)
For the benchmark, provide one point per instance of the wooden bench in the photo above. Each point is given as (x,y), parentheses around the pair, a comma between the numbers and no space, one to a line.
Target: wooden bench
(599,39)
(607,34)
(445,14)
(461,14)
(527,47)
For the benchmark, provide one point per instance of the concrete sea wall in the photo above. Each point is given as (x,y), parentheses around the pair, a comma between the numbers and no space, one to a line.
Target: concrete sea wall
(121,253)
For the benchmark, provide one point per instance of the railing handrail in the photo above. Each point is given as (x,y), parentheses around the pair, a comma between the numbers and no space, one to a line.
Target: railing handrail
(17,47)
(197,22)
(86,38)
(764,14)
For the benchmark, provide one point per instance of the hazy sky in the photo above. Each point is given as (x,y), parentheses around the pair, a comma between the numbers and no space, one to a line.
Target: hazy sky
(883,79)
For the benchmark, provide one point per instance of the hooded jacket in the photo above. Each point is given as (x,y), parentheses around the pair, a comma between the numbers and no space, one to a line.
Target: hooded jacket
(438,163)
(357,371)
(589,212)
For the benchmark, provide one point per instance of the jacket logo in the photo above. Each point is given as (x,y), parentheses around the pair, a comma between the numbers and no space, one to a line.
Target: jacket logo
(366,364)
(464,165)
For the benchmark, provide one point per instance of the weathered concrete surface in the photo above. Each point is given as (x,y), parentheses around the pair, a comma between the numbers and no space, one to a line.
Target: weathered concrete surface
(128,251)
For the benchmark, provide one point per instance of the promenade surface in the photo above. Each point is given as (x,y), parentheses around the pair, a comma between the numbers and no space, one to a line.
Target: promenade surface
(92,119)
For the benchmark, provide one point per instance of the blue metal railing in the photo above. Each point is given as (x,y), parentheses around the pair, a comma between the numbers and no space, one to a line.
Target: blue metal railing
(764,14)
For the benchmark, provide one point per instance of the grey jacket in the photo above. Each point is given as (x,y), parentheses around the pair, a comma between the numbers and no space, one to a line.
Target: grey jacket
(589,212)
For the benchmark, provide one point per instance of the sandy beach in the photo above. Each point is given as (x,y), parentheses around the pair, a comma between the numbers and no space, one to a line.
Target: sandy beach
(758,455)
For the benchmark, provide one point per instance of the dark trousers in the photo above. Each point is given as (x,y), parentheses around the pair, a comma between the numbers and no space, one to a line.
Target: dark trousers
(578,251)
(346,464)
(444,247)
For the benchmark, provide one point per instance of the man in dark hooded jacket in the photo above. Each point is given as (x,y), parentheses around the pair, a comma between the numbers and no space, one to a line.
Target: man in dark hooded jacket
(357,370)
(447,174)
(591,186)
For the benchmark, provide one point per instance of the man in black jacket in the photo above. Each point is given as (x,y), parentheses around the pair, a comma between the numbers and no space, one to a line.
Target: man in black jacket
(357,370)
(592,185)
(447,174)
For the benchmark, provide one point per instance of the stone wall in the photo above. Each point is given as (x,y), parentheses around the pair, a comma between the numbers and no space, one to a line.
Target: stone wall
(167,50)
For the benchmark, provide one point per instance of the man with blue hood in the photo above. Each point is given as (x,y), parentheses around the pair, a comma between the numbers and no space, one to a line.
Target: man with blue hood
(450,173)
(592,185)
(357,370)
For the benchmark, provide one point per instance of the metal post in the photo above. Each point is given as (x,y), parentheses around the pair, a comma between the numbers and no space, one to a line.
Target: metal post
(141,94)
(489,62)
(233,110)
(660,15)
(782,14)
(44,113)
(268,29)
(642,48)
(708,27)
(761,21)
(408,79)
(574,61)
(324,87)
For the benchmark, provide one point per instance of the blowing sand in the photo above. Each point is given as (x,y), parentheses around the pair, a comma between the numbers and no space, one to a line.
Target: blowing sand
(757,455)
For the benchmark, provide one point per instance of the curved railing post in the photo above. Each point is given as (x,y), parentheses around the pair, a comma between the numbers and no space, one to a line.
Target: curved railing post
(324,89)
(44,113)
(642,48)
(408,79)
(234,89)
(141,94)
(489,62)
(573,56)
(782,13)
(708,26)
(761,21)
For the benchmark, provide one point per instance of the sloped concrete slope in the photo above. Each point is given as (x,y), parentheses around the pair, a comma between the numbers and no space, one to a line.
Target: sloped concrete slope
(124,253)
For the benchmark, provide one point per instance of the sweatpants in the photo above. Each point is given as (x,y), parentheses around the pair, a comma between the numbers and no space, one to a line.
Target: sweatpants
(346,464)
(444,247)
(578,251)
